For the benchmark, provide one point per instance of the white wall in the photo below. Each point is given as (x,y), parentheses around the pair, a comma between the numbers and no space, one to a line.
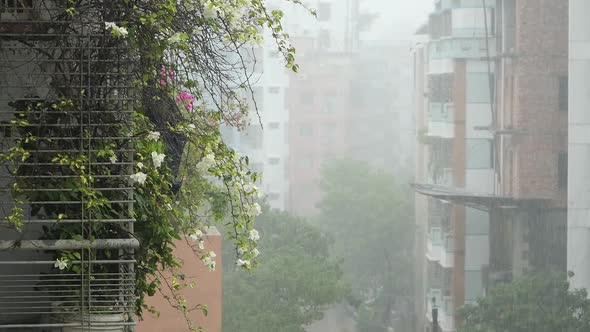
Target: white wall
(578,253)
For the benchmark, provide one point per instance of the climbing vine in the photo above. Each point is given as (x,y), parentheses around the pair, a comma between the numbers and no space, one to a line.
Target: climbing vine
(191,69)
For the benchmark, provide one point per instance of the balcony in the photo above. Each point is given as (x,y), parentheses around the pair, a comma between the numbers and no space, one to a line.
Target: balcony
(67,244)
(440,247)
(465,48)
(441,122)
(445,306)
(447,253)
(434,244)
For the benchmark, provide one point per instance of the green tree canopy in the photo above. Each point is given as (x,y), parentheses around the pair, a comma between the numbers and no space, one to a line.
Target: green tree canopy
(540,303)
(370,215)
(293,284)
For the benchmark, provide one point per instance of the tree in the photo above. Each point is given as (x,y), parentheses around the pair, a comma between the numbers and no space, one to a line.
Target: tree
(540,303)
(294,282)
(370,215)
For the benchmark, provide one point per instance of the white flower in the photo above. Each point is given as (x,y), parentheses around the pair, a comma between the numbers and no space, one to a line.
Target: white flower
(206,163)
(253,235)
(201,245)
(153,135)
(243,263)
(210,10)
(211,266)
(116,30)
(255,252)
(197,235)
(207,259)
(61,263)
(191,126)
(140,165)
(250,188)
(254,210)
(242,250)
(158,158)
(138,177)
(113,159)
(123,31)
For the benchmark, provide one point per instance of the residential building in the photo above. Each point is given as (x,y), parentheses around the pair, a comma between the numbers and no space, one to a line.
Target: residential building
(318,125)
(458,157)
(578,203)
(495,141)
(266,138)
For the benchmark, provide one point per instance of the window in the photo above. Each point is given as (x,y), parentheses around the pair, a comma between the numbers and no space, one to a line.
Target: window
(305,130)
(274,160)
(274,196)
(252,137)
(479,153)
(563,93)
(330,101)
(328,130)
(258,60)
(324,11)
(324,38)
(274,89)
(562,170)
(478,87)
(307,98)
(274,125)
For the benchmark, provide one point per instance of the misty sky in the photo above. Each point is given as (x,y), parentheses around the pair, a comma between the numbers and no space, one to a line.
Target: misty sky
(399,19)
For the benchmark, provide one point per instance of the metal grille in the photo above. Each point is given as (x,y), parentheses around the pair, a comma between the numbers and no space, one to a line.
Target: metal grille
(65,93)
(15,6)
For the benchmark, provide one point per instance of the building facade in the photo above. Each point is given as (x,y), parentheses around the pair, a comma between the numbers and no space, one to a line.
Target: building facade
(578,203)
(493,148)
(266,137)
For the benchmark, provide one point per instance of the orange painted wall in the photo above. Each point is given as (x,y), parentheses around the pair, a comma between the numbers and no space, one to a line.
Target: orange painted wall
(208,291)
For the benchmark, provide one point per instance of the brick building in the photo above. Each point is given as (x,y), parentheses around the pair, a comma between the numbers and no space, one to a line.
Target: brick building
(493,147)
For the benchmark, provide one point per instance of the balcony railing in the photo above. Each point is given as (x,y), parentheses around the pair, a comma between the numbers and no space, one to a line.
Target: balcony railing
(67,246)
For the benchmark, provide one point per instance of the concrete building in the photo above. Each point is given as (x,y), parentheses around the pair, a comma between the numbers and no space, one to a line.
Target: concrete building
(456,154)
(318,125)
(578,204)
(495,141)
(265,140)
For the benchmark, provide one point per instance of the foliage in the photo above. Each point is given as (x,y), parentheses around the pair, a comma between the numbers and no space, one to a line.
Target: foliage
(190,77)
(292,286)
(541,302)
(369,213)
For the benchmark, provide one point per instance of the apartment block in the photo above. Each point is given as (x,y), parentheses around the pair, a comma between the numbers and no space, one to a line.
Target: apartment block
(266,138)
(491,96)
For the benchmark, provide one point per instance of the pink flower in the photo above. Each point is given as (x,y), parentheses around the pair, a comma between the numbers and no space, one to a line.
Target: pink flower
(186,99)
(165,75)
